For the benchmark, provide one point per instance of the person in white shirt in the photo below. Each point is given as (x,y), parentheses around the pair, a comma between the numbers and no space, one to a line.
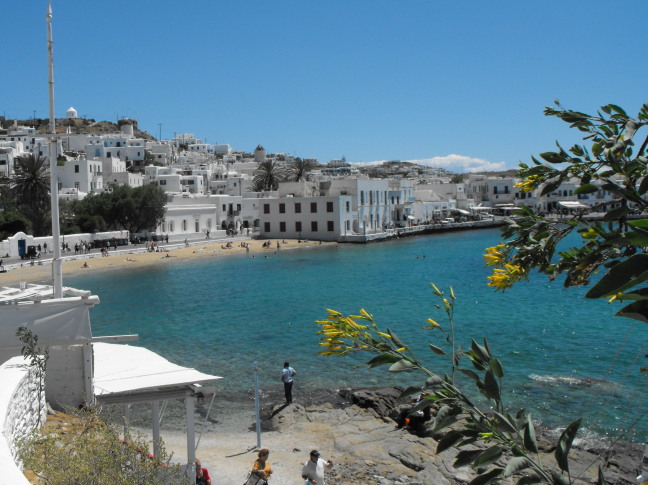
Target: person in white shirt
(313,469)
(287,374)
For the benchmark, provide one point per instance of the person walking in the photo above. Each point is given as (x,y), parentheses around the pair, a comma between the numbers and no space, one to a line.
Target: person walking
(202,475)
(287,375)
(261,469)
(313,470)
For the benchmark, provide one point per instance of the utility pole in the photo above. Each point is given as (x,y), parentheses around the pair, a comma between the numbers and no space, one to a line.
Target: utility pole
(57,275)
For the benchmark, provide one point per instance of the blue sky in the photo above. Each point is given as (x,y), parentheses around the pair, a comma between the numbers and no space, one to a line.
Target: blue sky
(458,84)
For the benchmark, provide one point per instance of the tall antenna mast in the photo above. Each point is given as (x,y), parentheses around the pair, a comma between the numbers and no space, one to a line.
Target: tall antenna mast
(57,274)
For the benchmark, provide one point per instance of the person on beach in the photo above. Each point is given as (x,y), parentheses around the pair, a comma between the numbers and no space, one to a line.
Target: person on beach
(313,470)
(287,374)
(261,468)
(202,475)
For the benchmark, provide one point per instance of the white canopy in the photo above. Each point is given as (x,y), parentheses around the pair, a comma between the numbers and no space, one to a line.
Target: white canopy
(125,369)
(572,204)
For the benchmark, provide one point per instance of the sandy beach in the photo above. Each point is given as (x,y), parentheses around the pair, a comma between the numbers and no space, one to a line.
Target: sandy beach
(40,271)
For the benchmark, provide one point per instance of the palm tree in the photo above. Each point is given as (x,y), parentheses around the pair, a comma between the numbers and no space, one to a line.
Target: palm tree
(268,175)
(31,188)
(299,169)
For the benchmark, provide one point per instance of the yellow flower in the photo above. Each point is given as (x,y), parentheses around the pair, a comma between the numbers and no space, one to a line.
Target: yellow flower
(618,296)
(433,323)
(333,312)
(527,185)
(386,335)
(401,349)
(365,314)
(504,278)
(495,255)
(589,234)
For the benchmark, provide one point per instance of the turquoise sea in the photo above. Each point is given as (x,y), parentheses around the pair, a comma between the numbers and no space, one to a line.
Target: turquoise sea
(564,356)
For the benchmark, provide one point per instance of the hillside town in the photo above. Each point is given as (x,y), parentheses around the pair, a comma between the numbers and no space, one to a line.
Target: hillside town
(212,187)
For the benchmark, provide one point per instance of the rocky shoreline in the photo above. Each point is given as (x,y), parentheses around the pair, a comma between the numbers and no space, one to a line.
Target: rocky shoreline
(370,449)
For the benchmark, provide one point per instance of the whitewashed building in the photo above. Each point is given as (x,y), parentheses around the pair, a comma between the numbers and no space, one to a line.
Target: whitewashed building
(83,175)
(323,218)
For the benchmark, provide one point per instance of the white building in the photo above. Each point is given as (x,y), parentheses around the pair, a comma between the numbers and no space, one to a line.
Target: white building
(323,218)
(83,175)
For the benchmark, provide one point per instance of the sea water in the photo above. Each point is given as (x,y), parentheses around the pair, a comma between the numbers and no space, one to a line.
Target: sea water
(564,356)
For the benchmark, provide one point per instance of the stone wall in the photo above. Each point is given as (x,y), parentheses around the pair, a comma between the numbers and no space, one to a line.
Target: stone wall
(19,414)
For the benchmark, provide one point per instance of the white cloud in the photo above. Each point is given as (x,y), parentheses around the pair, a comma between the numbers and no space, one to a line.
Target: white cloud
(461,163)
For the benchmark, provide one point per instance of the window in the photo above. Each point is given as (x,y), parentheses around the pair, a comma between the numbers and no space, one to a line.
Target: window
(329,207)
(266,226)
(266,209)
(313,207)
(171,226)
(76,169)
(348,206)
(108,154)
(224,207)
(163,182)
(330,225)
(314,226)
(362,197)
(197,223)
(282,227)
(297,207)
(184,225)
(282,208)
(298,226)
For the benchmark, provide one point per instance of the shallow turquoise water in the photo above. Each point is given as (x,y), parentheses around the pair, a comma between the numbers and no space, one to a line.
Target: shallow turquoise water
(564,356)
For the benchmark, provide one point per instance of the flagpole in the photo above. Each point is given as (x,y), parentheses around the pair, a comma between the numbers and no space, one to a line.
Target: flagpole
(57,274)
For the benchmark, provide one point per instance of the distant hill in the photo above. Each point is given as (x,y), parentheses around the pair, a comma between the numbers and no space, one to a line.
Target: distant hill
(80,126)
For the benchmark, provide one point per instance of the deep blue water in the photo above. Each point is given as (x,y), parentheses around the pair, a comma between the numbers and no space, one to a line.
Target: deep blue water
(564,356)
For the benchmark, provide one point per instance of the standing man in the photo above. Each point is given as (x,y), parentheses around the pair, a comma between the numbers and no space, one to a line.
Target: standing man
(287,378)
(313,470)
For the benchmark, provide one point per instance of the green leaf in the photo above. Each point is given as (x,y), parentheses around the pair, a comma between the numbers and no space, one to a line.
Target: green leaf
(481,352)
(402,365)
(437,350)
(449,439)
(564,445)
(516,465)
(643,223)
(558,479)
(643,187)
(465,457)
(486,477)
(637,238)
(443,419)
(470,374)
(624,275)
(491,388)
(530,442)
(550,187)
(530,479)
(553,157)
(488,456)
(383,359)
(637,311)
(410,391)
(395,339)
(586,189)
(496,366)
(434,381)
(504,425)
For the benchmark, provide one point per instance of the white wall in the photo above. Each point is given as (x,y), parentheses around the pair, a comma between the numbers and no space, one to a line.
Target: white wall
(19,414)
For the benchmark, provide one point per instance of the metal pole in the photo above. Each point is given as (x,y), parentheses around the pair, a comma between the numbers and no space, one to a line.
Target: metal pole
(191,436)
(156,428)
(57,275)
(256,403)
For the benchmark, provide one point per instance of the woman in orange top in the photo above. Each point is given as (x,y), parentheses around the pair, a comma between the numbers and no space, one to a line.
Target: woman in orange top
(261,467)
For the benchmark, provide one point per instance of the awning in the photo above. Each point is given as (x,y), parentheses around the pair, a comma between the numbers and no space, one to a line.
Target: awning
(128,370)
(461,211)
(572,204)
(411,217)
